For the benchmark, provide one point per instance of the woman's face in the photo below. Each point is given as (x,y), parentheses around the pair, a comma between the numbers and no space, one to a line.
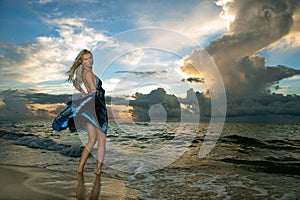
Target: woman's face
(87,60)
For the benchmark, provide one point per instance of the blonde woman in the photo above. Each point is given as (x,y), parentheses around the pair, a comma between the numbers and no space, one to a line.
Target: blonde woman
(89,111)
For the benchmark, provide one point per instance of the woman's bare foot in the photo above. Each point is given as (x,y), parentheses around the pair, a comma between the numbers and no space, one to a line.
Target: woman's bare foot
(99,168)
(84,156)
(98,172)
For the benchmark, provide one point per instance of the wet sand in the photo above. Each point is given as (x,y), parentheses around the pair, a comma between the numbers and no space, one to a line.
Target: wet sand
(42,184)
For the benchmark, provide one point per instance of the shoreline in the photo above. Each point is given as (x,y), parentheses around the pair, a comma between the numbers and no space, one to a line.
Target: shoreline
(34,183)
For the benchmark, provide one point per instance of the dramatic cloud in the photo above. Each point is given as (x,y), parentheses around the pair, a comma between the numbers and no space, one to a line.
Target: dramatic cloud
(254,25)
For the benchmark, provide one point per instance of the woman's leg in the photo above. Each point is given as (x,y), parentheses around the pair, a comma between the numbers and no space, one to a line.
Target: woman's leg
(101,138)
(92,138)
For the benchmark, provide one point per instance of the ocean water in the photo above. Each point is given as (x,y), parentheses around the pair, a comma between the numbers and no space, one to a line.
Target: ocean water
(249,161)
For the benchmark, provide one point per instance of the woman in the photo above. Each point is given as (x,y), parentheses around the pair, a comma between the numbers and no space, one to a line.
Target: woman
(89,110)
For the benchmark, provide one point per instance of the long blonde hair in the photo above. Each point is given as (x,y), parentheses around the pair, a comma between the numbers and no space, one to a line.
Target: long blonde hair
(77,69)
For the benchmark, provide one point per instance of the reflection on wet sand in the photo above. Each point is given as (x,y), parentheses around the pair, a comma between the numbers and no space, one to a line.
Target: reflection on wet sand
(81,189)
(36,183)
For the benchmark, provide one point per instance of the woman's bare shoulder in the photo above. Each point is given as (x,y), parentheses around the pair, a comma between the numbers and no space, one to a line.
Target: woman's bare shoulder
(88,73)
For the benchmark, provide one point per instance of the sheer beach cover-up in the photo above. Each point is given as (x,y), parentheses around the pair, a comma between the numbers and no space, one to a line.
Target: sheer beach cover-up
(90,108)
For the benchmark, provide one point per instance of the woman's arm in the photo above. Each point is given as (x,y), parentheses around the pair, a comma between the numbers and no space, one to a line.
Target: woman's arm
(79,88)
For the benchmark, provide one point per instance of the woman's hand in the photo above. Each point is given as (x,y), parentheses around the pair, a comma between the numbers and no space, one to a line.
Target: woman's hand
(83,93)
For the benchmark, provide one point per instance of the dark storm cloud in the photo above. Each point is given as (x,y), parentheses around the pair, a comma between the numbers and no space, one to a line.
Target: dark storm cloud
(194,79)
(264,105)
(42,98)
(14,107)
(117,100)
(256,77)
(262,108)
(159,102)
(16,104)
(267,108)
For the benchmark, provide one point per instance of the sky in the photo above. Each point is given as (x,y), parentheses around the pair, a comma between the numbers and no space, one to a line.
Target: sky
(139,46)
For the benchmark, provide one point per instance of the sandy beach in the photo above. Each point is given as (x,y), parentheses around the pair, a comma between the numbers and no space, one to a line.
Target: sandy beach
(34,183)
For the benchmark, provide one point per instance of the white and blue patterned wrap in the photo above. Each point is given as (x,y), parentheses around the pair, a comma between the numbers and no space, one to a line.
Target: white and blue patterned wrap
(90,108)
